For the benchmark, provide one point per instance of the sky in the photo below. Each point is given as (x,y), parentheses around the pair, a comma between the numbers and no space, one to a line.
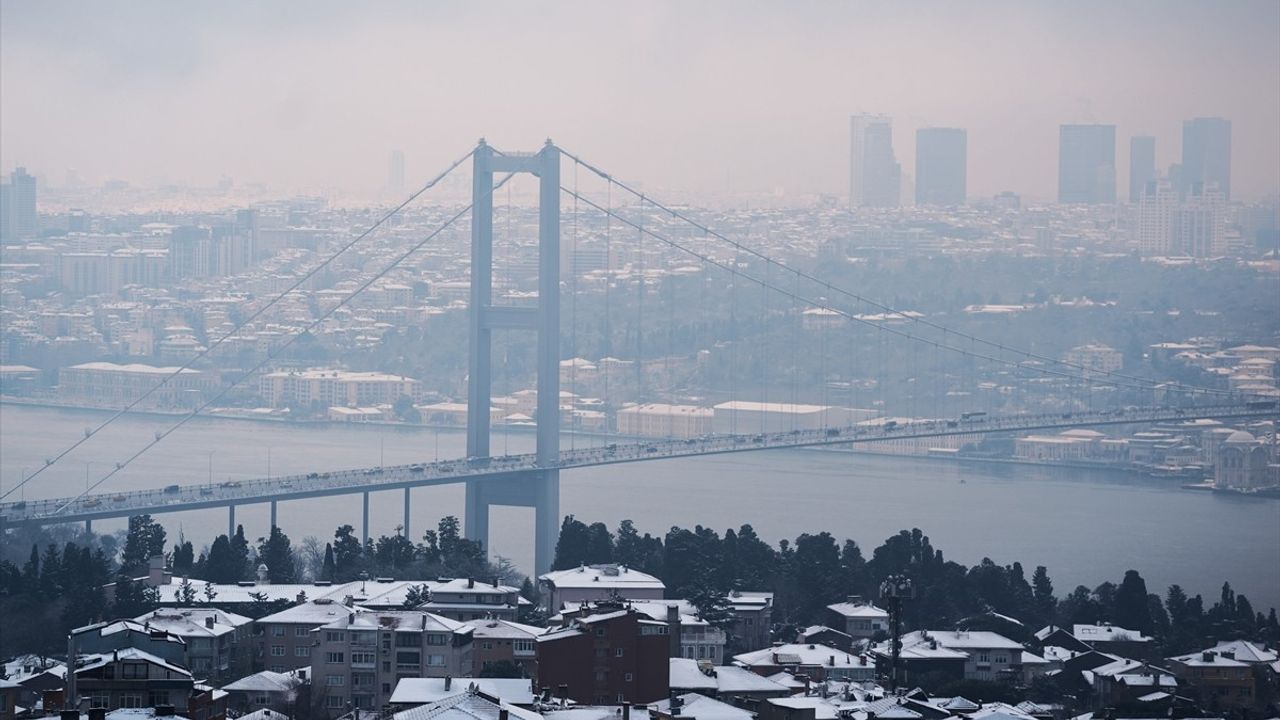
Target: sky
(711,98)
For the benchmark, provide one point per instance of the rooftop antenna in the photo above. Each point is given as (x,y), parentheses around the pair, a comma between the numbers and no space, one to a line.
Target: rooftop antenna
(894,590)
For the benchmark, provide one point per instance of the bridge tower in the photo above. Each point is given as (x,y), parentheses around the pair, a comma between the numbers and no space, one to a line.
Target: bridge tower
(539,489)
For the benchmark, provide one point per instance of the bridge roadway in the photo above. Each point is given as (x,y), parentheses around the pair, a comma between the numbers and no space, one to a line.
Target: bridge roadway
(229,494)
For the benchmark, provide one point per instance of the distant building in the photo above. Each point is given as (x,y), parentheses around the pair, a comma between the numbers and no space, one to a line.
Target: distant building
(857,618)
(18,218)
(340,388)
(1217,677)
(1242,463)
(110,384)
(590,583)
(752,617)
(666,421)
(1202,222)
(1095,358)
(986,655)
(819,662)
(218,643)
(1087,164)
(875,176)
(395,171)
(1206,154)
(941,159)
(1142,165)
(1157,218)
(504,641)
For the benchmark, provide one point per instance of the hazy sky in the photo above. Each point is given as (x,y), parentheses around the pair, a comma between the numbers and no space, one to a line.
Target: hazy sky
(733,96)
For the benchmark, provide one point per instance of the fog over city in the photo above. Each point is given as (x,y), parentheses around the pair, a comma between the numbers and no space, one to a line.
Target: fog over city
(712,99)
(639,360)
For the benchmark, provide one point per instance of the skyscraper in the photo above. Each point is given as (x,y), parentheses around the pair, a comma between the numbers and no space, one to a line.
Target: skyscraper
(1157,218)
(18,217)
(1142,165)
(875,176)
(1087,164)
(1206,155)
(395,171)
(941,156)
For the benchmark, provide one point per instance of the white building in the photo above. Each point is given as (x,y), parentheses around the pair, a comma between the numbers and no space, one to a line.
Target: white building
(745,417)
(666,421)
(339,388)
(588,583)
(1095,358)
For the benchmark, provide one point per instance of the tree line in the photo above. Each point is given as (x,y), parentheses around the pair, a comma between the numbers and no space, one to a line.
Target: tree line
(815,570)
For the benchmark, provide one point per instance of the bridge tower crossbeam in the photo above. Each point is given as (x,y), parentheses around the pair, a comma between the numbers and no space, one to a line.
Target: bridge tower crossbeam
(539,488)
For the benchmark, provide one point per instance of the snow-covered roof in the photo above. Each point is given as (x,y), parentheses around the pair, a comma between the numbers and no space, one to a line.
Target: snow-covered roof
(467,705)
(701,707)
(1106,633)
(799,654)
(97,660)
(506,629)
(265,681)
(1245,651)
(858,610)
(408,691)
(193,622)
(619,577)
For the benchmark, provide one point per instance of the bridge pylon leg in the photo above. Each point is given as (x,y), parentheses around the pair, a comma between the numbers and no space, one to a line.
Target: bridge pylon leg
(273,515)
(364,525)
(475,519)
(406,514)
(546,521)
(231,521)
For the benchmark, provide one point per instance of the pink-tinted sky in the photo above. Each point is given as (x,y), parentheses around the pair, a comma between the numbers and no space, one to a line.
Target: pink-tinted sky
(712,97)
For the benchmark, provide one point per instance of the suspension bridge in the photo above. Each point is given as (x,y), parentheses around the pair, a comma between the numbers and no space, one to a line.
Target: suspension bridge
(532,480)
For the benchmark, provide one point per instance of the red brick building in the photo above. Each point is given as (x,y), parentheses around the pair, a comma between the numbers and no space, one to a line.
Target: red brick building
(612,656)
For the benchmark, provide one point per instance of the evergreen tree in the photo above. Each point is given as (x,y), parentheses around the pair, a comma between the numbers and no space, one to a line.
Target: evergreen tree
(572,548)
(240,550)
(145,539)
(184,557)
(1132,610)
(348,556)
(223,565)
(328,568)
(816,564)
(277,554)
(1042,595)
(133,598)
(599,544)
(853,570)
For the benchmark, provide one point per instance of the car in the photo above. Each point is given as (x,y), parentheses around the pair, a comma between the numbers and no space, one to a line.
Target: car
(172,489)
(833,432)
(313,476)
(206,491)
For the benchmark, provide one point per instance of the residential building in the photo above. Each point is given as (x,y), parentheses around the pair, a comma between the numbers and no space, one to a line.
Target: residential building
(722,681)
(1087,164)
(875,176)
(699,640)
(358,658)
(473,704)
(858,619)
(1114,639)
(941,159)
(219,644)
(1218,679)
(817,662)
(607,657)
(266,689)
(504,641)
(1157,219)
(1125,681)
(752,617)
(134,678)
(112,384)
(18,218)
(1095,358)
(988,655)
(411,692)
(665,420)
(1206,154)
(592,583)
(336,387)
(283,641)
(1201,222)
(1142,165)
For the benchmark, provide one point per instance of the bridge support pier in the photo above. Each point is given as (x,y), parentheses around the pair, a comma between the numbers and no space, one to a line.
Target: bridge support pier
(273,515)
(88,527)
(364,525)
(406,514)
(537,489)
(231,521)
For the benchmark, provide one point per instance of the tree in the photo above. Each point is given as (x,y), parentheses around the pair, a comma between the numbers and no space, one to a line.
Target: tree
(572,547)
(1132,609)
(184,557)
(133,598)
(277,554)
(329,567)
(502,669)
(348,555)
(713,608)
(415,596)
(186,592)
(817,562)
(145,539)
(222,565)
(1042,595)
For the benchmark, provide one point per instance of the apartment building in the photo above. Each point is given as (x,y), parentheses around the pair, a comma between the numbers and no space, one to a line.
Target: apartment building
(359,657)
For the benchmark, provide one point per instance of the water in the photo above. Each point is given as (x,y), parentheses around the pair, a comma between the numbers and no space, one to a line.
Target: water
(1087,526)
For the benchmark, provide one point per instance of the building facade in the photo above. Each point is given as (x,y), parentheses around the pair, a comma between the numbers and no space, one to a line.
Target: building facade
(1087,164)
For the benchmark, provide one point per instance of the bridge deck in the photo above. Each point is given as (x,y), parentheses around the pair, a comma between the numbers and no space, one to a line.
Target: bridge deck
(345,482)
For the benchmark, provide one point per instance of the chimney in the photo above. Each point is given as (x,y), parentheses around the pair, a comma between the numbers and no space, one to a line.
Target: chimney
(563,692)
(831,660)
(69,715)
(626,710)
(676,704)
(1228,654)
(1207,656)
(471,583)
(546,694)
(97,714)
(854,599)
(448,682)
(155,571)
(503,714)
(673,628)
(208,622)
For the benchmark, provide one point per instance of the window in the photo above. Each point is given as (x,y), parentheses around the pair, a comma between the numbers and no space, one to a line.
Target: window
(984,657)
(622,698)
(407,657)
(301,631)
(599,632)
(628,677)
(261,700)
(277,651)
(523,647)
(277,631)
(335,658)
(386,666)
(702,652)
(334,680)
(618,652)
(133,671)
(1002,659)
(131,700)
(156,697)
(334,636)
(408,640)
(435,660)
(437,639)
(302,651)
(487,645)
(333,701)
(363,658)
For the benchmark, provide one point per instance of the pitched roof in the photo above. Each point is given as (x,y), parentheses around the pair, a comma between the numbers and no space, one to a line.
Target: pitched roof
(518,691)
